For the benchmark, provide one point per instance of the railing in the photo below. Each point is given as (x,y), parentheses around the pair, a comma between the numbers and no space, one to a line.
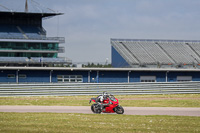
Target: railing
(96,89)
(59,39)
(61,50)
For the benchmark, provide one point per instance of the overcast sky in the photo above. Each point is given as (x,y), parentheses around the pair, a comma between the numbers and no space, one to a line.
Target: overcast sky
(88,25)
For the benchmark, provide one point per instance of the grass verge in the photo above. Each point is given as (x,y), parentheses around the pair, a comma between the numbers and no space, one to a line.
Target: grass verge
(104,123)
(173,100)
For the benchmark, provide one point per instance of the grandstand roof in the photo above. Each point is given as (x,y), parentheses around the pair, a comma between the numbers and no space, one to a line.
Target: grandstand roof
(100,69)
(18,7)
(153,40)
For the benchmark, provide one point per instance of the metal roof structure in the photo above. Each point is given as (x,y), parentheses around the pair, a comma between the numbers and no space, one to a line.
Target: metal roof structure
(20,7)
(153,40)
(99,69)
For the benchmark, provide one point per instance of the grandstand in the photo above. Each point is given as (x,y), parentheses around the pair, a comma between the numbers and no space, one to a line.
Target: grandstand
(23,39)
(155,53)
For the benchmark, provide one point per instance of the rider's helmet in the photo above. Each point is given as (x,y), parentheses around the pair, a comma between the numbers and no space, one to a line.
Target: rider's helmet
(105,94)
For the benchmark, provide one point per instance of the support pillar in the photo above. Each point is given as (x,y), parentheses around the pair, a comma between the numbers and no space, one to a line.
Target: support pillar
(89,76)
(97,77)
(129,76)
(166,77)
(17,76)
(50,76)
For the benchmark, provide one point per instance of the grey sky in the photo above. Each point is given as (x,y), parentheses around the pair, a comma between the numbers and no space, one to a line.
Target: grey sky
(88,25)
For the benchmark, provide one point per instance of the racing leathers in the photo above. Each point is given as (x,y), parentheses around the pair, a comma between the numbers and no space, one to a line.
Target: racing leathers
(101,101)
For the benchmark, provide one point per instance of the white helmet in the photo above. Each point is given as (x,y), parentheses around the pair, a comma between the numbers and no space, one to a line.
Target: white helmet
(105,93)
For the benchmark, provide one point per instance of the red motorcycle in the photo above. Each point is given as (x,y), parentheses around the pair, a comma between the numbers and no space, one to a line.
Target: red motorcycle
(111,105)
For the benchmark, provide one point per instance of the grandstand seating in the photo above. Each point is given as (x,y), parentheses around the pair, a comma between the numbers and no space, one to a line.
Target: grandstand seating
(158,52)
(125,53)
(48,60)
(33,36)
(22,32)
(180,52)
(196,48)
(140,52)
(13,59)
(33,60)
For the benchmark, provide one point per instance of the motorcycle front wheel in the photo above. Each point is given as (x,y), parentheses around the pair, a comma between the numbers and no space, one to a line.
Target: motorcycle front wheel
(119,109)
(95,109)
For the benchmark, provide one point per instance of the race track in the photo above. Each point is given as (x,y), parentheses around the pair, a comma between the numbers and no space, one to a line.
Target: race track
(86,110)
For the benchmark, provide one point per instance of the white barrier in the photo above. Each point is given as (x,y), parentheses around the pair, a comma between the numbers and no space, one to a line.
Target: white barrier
(97,88)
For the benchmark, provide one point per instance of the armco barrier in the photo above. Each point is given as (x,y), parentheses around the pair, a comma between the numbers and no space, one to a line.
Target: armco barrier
(97,88)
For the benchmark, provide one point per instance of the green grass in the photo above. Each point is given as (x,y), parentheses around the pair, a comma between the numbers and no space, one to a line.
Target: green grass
(98,123)
(106,123)
(175,100)
(161,103)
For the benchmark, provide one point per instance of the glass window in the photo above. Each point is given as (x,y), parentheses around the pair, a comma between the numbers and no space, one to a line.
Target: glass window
(79,76)
(70,78)
(59,76)
(66,80)
(11,75)
(22,76)
(79,80)
(147,78)
(66,76)
(60,80)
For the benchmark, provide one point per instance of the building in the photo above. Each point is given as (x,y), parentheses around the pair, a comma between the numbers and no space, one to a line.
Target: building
(170,65)
(146,53)
(95,75)
(23,40)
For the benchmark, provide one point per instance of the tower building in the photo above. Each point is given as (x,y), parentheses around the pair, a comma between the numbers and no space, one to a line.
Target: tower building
(24,41)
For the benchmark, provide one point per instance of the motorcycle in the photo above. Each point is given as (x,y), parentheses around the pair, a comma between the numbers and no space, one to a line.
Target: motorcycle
(112,105)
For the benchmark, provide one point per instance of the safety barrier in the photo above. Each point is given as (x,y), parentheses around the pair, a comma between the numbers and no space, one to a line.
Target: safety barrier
(97,88)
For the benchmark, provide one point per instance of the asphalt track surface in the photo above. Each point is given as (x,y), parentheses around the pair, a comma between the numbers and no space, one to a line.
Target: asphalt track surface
(176,111)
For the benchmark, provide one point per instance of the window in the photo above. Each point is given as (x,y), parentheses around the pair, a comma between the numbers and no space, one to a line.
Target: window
(60,80)
(11,75)
(59,76)
(69,78)
(147,78)
(66,76)
(184,78)
(23,76)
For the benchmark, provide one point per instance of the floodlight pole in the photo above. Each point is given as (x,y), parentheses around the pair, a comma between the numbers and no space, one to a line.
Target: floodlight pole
(26,6)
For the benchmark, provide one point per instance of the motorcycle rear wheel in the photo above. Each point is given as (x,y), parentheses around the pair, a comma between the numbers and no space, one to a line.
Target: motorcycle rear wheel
(120,110)
(95,109)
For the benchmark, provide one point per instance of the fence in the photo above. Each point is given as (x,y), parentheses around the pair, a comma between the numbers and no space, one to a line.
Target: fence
(98,88)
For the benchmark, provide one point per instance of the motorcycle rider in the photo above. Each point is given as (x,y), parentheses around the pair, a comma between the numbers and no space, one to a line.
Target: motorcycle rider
(101,98)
